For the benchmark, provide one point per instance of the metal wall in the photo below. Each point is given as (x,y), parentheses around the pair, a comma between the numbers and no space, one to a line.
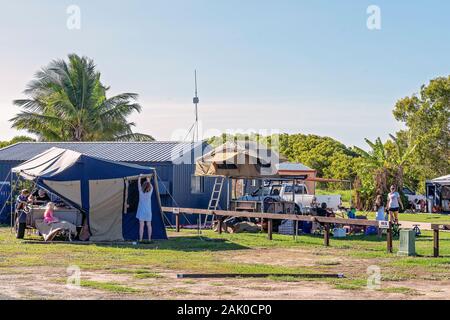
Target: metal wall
(5,189)
(174,181)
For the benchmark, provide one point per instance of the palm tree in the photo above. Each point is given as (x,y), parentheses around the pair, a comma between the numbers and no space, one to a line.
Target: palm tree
(401,157)
(67,102)
(376,160)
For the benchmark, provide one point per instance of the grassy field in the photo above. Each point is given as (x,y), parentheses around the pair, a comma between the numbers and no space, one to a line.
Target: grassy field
(149,271)
(346,195)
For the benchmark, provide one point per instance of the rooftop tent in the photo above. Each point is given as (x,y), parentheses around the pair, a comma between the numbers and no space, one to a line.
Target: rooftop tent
(104,190)
(241,159)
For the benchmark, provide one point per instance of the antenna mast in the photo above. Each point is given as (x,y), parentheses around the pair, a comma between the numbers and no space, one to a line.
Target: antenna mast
(196,101)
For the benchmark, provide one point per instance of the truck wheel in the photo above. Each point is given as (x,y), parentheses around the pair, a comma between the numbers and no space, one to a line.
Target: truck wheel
(20,233)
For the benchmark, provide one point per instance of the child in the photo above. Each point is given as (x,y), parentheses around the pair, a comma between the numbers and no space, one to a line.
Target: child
(379,208)
(48,215)
(380,214)
(21,203)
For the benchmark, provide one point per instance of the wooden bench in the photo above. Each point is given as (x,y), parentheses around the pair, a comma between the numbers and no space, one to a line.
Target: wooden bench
(325,221)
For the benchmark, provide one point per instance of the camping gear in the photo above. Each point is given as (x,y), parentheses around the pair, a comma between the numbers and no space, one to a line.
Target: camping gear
(407,243)
(244,226)
(339,233)
(371,230)
(438,194)
(287,227)
(104,191)
(306,227)
(50,231)
(417,230)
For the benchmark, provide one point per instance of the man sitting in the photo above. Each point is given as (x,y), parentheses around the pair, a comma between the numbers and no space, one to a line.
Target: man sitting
(39,197)
(323,211)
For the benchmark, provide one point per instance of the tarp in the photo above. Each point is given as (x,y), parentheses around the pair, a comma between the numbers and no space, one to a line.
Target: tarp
(241,159)
(97,187)
(445,180)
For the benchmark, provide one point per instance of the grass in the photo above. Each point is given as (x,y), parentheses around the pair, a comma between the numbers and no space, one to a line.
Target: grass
(402,290)
(418,217)
(346,195)
(138,273)
(108,286)
(356,284)
(188,253)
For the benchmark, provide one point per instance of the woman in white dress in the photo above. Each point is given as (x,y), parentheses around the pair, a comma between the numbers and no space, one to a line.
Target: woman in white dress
(144,211)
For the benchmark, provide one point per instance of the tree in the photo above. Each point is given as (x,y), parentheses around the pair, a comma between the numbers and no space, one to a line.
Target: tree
(426,116)
(68,102)
(14,140)
(373,171)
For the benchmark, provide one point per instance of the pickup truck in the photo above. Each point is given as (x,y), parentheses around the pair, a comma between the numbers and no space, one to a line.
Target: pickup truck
(300,197)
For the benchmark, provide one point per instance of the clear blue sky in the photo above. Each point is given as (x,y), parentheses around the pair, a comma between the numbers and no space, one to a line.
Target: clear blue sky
(294,66)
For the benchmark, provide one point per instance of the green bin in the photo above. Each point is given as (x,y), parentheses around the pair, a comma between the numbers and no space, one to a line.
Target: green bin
(407,243)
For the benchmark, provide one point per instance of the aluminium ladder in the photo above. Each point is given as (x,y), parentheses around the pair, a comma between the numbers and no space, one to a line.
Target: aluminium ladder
(215,198)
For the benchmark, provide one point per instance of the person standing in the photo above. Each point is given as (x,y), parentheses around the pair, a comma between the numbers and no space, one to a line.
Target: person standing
(144,211)
(394,203)
(379,209)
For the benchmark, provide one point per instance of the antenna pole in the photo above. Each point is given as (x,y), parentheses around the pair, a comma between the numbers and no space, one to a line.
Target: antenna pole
(196,100)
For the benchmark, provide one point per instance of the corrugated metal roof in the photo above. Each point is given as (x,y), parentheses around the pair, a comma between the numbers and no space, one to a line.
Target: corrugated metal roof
(289,166)
(160,151)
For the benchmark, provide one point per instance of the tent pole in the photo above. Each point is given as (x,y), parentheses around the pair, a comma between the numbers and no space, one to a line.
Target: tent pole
(228,192)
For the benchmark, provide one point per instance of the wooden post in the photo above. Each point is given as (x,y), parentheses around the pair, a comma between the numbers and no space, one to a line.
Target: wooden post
(269,228)
(389,238)
(326,235)
(177,222)
(436,242)
(219,225)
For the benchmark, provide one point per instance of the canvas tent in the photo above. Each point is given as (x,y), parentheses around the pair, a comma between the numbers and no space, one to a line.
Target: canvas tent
(438,194)
(241,159)
(105,191)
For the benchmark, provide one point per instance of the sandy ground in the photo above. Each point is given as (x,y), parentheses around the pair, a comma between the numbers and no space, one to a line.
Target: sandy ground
(50,283)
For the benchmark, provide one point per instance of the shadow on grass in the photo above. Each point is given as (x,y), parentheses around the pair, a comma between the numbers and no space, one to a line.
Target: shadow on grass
(187,244)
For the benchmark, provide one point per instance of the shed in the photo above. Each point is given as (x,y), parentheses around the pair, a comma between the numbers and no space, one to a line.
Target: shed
(173,161)
(288,169)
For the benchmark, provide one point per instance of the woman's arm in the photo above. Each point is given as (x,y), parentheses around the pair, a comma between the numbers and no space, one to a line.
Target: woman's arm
(140,184)
(400,201)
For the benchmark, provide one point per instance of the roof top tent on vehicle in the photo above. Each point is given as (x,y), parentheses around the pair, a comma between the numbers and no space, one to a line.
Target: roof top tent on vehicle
(239,160)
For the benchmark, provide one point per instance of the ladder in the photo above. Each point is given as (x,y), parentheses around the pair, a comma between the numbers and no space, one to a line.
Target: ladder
(215,198)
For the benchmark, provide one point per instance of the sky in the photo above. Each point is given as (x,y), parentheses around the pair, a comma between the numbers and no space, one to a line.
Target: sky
(266,66)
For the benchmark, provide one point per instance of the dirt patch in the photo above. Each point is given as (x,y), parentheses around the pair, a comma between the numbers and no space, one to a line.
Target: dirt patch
(50,283)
